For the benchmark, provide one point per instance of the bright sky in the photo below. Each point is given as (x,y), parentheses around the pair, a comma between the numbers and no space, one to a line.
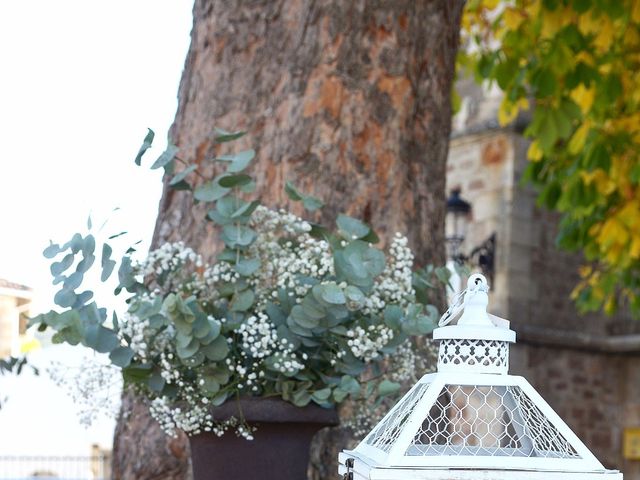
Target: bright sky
(80,83)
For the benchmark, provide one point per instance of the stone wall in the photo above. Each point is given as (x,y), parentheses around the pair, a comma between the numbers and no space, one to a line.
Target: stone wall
(586,366)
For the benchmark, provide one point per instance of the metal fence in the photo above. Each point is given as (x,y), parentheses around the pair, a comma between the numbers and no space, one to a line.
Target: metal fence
(32,467)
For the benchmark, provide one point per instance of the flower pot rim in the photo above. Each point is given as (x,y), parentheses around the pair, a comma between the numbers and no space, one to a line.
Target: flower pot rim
(274,410)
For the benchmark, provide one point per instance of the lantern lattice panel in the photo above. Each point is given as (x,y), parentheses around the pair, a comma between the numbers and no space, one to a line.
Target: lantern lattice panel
(385,434)
(471,353)
(488,421)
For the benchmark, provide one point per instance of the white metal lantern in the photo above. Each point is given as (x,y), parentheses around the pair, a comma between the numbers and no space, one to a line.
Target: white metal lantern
(471,419)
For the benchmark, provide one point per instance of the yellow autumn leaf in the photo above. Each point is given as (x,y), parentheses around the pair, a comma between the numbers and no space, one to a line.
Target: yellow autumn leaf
(490,4)
(587,24)
(613,233)
(597,292)
(635,11)
(585,271)
(610,305)
(513,18)
(534,153)
(605,35)
(553,21)
(631,37)
(613,255)
(630,214)
(576,144)
(507,112)
(583,96)
(585,57)
(634,251)
(595,229)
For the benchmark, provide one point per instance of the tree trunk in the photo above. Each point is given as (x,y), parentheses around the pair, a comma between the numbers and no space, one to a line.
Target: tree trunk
(348,99)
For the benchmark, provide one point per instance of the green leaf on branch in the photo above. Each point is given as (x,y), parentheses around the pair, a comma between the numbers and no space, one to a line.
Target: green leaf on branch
(222,136)
(216,350)
(242,301)
(146,144)
(180,176)
(230,181)
(59,267)
(351,228)
(121,356)
(330,293)
(52,250)
(238,236)
(308,202)
(247,266)
(238,161)
(387,387)
(210,191)
(106,263)
(167,156)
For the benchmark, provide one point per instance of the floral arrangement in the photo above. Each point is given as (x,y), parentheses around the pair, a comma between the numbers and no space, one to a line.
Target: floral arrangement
(287,309)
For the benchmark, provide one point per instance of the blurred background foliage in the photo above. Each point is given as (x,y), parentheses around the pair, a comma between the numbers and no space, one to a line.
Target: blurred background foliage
(573,66)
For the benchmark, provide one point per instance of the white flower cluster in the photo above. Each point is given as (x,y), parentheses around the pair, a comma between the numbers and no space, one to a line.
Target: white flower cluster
(395,284)
(220,272)
(94,387)
(168,258)
(402,364)
(168,371)
(258,335)
(169,262)
(286,251)
(287,362)
(366,344)
(192,420)
(137,331)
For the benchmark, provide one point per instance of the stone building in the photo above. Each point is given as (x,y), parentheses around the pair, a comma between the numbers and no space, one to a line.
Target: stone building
(586,366)
(15,301)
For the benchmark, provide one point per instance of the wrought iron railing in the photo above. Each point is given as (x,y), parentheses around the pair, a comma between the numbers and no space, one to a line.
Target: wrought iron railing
(39,467)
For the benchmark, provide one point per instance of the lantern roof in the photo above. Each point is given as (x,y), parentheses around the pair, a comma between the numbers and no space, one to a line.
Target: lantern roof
(471,414)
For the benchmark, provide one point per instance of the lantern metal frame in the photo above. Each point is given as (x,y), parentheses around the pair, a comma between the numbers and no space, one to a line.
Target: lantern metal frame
(471,415)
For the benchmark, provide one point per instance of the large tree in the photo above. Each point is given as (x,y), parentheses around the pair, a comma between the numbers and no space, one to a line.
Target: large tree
(349,99)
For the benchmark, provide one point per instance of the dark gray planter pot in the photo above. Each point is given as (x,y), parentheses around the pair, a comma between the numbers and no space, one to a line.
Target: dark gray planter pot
(280,449)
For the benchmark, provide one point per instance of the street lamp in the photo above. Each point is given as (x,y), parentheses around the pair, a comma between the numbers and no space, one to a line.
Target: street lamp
(456,224)
(471,419)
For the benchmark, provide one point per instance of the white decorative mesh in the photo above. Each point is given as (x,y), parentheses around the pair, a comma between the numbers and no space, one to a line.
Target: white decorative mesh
(485,354)
(488,421)
(385,434)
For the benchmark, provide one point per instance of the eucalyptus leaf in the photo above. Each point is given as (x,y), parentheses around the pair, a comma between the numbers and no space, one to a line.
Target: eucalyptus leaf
(59,267)
(247,266)
(106,263)
(179,177)
(387,387)
(210,191)
(216,350)
(241,161)
(167,156)
(52,250)
(146,144)
(121,356)
(230,181)
(352,228)
(238,235)
(222,136)
(242,301)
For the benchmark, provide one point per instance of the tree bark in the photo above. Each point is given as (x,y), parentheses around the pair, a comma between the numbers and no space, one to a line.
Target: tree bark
(348,99)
